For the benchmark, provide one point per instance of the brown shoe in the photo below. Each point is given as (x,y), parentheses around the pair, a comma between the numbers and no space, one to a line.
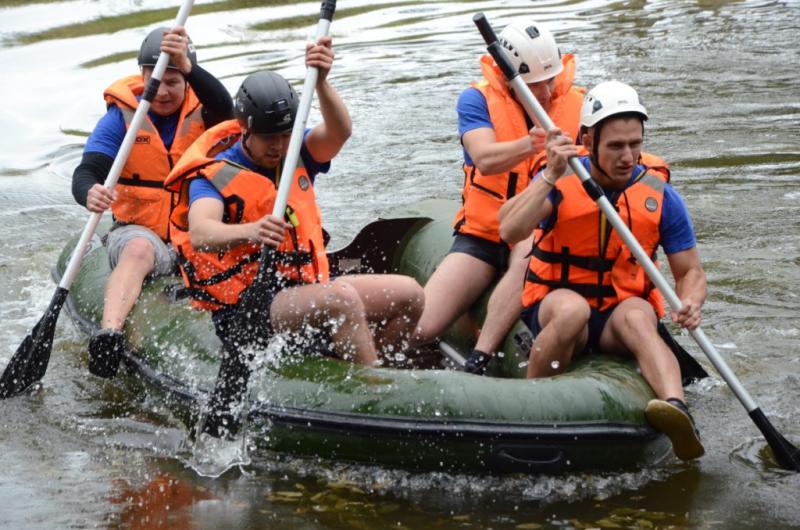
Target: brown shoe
(673,419)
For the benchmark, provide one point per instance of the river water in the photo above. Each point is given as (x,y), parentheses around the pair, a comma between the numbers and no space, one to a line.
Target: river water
(719,80)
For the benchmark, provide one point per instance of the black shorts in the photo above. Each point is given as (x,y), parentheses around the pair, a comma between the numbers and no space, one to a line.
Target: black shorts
(597,322)
(495,254)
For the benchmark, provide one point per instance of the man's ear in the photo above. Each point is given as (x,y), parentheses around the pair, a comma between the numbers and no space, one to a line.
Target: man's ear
(586,138)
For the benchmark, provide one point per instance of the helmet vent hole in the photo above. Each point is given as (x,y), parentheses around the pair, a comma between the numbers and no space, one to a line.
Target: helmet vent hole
(532,32)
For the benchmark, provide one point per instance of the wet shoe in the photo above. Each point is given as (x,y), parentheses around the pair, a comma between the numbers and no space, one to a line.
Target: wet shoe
(105,351)
(673,419)
(477,362)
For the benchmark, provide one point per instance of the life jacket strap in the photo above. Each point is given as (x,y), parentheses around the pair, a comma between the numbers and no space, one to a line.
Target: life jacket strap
(587,290)
(592,263)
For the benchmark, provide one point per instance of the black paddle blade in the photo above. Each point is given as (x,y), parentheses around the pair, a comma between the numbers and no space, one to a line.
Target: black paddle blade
(248,327)
(223,420)
(787,455)
(29,363)
(691,370)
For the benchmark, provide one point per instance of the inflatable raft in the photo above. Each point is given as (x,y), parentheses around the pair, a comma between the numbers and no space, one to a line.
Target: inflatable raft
(427,418)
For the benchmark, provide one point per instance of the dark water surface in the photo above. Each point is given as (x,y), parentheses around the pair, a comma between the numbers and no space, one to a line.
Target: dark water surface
(719,78)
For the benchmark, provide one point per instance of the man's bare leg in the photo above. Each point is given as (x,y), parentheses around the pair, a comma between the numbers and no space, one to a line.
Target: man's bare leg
(453,287)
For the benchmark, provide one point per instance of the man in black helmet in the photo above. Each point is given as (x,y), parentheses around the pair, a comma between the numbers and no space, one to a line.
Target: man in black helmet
(227,188)
(188,101)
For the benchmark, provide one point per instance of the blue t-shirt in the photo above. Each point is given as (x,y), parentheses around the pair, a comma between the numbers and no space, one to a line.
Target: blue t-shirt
(110,130)
(473,113)
(676,229)
(202,188)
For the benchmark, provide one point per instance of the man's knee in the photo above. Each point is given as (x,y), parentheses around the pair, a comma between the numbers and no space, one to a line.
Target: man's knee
(409,294)
(565,307)
(340,298)
(638,316)
(139,250)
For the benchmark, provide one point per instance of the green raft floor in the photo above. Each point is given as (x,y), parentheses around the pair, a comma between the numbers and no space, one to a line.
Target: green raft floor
(422,417)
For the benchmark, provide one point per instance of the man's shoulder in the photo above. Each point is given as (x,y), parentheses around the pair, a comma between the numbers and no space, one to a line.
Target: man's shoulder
(471,99)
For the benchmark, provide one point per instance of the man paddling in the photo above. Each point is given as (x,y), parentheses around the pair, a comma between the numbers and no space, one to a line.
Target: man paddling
(502,151)
(227,184)
(188,101)
(584,289)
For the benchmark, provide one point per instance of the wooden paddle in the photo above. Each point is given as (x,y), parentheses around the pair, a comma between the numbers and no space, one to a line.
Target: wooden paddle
(29,363)
(224,418)
(786,454)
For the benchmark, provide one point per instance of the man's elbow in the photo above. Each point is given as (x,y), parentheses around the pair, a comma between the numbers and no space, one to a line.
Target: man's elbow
(346,131)
(487,166)
(510,234)
(195,239)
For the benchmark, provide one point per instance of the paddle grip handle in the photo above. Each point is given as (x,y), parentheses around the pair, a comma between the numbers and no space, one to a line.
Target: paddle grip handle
(485,28)
(494,47)
(327,10)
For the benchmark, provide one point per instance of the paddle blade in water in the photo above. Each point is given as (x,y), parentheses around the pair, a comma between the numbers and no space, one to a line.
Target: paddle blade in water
(787,455)
(29,363)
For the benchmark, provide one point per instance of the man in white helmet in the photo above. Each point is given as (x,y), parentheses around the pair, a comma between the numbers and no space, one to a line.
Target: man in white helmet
(502,150)
(585,290)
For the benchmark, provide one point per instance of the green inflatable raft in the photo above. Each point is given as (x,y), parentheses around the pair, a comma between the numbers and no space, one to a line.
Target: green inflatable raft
(426,418)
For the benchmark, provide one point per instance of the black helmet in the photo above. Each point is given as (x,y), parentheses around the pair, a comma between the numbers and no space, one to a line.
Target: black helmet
(266,103)
(151,49)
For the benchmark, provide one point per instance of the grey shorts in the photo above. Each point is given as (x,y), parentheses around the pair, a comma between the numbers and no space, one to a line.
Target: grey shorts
(121,235)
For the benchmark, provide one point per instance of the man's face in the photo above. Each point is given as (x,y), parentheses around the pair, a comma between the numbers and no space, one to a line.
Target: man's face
(543,91)
(171,91)
(268,149)
(619,149)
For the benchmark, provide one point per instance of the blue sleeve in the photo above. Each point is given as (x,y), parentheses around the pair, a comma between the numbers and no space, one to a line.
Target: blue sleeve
(677,232)
(108,134)
(473,113)
(200,188)
(312,166)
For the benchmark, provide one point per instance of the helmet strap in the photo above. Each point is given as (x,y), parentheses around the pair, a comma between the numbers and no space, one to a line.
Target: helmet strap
(245,137)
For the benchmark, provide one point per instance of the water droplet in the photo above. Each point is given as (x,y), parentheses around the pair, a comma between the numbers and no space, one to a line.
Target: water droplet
(555,365)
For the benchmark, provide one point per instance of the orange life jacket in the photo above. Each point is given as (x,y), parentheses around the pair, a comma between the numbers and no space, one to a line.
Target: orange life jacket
(483,195)
(217,279)
(141,197)
(582,252)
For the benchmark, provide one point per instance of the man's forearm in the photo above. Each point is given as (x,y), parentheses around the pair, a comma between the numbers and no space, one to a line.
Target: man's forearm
(93,169)
(217,102)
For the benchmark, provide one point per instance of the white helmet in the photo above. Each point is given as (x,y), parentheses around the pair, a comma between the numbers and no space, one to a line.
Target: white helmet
(532,50)
(607,99)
